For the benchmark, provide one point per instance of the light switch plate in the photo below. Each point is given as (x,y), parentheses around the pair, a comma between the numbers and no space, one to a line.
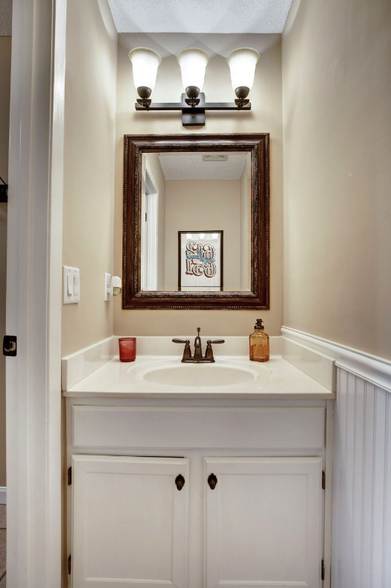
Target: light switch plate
(107,287)
(71,285)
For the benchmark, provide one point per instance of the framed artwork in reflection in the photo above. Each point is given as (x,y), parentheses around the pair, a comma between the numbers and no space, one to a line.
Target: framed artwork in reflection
(200,261)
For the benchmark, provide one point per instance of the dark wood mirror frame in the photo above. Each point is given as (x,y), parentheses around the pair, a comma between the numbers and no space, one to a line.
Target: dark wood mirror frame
(135,146)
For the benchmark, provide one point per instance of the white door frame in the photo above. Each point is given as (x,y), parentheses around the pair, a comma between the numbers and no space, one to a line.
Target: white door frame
(34,251)
(150,205)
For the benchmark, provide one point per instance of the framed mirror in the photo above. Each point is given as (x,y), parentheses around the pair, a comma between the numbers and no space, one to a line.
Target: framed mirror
(196,221)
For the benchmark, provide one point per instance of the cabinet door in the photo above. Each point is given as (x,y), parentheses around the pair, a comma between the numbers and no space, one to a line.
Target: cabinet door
(129,522)
(263,522)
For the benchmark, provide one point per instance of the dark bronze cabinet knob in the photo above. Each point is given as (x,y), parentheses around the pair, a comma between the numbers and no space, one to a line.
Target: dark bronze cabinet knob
(180,482)
(212,481)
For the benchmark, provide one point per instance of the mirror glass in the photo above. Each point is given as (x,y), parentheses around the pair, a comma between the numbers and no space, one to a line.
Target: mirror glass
(196,221)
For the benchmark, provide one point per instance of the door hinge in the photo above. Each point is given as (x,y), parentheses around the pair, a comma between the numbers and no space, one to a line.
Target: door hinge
(323,570)
(10,346)
(69,564)
(69,476)
(3,191)
(323,481)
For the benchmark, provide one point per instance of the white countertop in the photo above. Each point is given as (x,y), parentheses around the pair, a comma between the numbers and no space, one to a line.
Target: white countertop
(277,379)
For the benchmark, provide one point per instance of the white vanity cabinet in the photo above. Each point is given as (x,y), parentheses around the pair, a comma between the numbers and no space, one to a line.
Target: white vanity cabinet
(263,522)
(193,494)
(129,521)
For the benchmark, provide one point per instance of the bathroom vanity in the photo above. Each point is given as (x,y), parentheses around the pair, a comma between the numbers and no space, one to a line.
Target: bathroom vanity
(199,485)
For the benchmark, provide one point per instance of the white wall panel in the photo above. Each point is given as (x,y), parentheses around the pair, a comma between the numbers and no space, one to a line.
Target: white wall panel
(362,485)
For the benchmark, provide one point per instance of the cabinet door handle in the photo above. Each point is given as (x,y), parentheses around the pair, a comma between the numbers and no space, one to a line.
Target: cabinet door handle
(180,482)
(212,481)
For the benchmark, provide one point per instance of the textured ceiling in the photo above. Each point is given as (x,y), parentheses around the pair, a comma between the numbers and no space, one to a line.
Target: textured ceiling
(190,166)
(168,44)
(200,16)
(5,18)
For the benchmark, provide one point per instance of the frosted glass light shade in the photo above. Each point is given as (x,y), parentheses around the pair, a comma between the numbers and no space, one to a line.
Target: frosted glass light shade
(193,64)
(242,63)
(145,64)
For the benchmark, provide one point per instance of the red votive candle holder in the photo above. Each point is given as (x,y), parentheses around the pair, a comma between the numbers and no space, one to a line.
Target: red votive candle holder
(127,348)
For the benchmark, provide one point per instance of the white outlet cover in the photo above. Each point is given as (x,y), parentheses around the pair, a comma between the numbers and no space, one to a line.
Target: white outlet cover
(71,285)
(108,291)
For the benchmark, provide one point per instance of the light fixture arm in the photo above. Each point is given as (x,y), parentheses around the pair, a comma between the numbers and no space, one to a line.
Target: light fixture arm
(194,115)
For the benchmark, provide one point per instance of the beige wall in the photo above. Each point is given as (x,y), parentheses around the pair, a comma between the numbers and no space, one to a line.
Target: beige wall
(90,103)
(337,171)
(264,117)
(217,199)
(5,73)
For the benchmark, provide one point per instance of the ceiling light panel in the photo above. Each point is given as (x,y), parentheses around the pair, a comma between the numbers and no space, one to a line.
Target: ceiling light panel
(202,17)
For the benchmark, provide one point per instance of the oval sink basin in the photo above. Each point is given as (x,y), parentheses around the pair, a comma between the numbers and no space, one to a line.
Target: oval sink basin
(204,376)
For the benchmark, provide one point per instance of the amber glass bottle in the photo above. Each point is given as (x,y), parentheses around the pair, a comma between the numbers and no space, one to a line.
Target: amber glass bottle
(259,343)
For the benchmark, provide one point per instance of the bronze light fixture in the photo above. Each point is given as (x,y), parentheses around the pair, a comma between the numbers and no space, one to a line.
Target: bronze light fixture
(242,63)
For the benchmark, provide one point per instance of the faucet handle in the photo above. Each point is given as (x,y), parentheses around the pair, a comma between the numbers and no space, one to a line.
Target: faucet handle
(187,351)
(209,351)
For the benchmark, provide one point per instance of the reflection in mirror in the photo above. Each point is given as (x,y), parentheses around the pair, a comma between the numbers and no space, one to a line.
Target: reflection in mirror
(196,221)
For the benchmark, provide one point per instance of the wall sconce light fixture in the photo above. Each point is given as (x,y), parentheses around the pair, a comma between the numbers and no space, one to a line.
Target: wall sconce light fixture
(193,62)
(145,64)
(242,63)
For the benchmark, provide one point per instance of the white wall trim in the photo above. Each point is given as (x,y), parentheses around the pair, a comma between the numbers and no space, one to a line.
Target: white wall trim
(3,495)
(82,363)
(375,379)
(33,313)
(369,367)
(315,364)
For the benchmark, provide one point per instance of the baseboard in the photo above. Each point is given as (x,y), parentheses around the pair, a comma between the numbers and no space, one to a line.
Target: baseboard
(3,494)
(319,358)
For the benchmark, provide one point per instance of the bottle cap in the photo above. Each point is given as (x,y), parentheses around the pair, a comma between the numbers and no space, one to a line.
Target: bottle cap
(259,324)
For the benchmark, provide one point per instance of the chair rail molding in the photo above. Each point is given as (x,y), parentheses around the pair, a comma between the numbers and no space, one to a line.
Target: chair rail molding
(305,350)
(33,313)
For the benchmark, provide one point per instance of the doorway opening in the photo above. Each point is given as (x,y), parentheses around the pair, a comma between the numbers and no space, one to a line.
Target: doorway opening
(149,232)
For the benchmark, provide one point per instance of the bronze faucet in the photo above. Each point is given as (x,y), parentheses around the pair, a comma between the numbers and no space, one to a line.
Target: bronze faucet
(197,357)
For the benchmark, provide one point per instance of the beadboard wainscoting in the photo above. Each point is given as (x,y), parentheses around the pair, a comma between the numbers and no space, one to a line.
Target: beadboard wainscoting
(362,483)
(361,521)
